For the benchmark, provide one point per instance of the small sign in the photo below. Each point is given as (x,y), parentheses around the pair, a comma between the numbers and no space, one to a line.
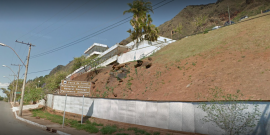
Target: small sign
(75,82)
(75,87)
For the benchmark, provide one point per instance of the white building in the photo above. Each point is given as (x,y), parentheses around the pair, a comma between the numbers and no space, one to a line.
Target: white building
(122,54)
(110,56)
(95,49)
(143,49)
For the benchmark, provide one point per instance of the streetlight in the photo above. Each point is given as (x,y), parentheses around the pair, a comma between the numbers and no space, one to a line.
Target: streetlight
(13,51)
(13,82)
(38,83)
(6,77)
(25,74)
(9,68)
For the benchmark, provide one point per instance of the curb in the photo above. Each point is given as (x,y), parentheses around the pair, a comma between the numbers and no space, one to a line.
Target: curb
(36,124)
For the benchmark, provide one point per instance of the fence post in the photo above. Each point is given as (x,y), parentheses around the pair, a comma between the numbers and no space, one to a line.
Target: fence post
(64,111)
(82,109)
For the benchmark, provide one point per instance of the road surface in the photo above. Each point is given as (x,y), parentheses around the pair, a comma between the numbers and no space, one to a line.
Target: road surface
(9,125)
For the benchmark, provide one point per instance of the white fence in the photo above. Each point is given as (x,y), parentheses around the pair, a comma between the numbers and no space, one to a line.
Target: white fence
(179,116)
(108,61)
(145,49)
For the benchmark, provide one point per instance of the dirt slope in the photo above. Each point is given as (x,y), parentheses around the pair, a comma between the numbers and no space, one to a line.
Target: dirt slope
(231,58)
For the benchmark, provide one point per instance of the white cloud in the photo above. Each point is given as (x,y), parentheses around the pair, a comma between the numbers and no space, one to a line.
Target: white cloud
(4,85)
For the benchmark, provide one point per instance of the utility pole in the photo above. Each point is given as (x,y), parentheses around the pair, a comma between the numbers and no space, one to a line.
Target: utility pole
(229,15)
(17,82)
(25,76)
(12,93)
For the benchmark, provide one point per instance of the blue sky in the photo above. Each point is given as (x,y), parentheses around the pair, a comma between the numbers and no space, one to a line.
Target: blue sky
(49,24)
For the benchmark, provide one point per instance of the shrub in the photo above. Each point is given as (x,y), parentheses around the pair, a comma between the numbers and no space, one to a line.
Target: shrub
(108,129)
(230,114)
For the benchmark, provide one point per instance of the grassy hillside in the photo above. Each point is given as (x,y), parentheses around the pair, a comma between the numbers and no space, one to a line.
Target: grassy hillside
(216,14)
(232,58)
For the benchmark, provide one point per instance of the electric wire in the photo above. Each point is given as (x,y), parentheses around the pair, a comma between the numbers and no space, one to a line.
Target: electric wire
(48,19)
(131,50)
(43,23)
(100,33)
(62,17)
(90,36)
(71,20)
(39,71)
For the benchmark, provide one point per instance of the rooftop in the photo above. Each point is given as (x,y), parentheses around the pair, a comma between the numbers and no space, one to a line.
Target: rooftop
(95,44)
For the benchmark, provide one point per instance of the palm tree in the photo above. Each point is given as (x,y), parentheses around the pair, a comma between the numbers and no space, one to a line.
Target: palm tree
(141,22)
(150,30)
(139,8)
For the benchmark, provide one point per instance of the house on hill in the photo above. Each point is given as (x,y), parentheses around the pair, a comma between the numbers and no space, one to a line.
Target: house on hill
(143,49)
(110,56)
(122,54)
(95,50)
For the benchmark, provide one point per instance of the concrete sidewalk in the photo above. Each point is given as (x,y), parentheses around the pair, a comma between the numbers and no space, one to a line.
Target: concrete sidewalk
(43,123)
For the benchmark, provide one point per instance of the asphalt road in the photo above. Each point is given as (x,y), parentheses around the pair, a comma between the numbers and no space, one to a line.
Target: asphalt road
(9,125)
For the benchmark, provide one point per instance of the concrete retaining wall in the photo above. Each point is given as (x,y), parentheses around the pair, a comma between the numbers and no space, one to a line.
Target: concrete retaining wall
(179,116)
(108,61)
(136,54)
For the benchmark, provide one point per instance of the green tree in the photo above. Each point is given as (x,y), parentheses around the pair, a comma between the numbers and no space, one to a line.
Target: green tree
(150,30)
(82,62)
(178,29)
(141,21)
(5,91)
(1,98)
(200,21)
(33,94)
(228,113)
(94,63)
(78,62)
(20,83)
(53,82)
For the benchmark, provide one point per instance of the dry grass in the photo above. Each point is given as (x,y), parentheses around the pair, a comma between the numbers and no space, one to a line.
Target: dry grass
(234,37)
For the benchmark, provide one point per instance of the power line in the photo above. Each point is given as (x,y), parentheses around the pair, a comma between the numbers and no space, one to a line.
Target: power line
(43,23)
(78,41)
(62,17)
(71,19)
(105,28)
(55,49)
(91,35)
(48,19)
(39,71)
(101,62)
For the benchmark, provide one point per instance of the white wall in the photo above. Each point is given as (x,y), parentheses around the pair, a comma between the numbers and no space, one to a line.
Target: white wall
(108,61)
(136,54)
(50,100)
(179,116)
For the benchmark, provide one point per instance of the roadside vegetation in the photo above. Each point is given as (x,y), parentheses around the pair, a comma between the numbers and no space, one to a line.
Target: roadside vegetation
(227,112)
(143,29)
(91,127)
(82,61)
(1,98)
